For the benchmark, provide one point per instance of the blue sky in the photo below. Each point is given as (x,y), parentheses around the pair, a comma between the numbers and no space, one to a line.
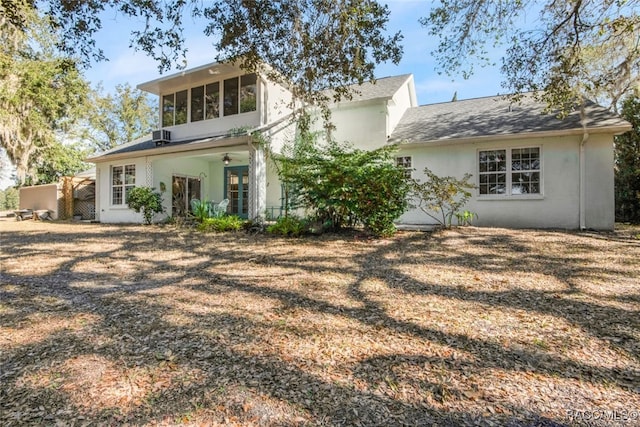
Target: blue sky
(127,66)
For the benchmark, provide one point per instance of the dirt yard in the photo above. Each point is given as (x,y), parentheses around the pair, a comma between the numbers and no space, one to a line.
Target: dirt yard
(107,325)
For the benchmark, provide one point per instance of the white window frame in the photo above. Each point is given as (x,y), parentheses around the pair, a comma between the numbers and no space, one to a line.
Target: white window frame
(123,185)
(401,161)
(509,172)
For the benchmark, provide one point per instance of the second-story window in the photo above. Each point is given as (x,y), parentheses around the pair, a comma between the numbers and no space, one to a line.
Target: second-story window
(212,100)
(231,96)
(248,93)
(174,108)
(197,103)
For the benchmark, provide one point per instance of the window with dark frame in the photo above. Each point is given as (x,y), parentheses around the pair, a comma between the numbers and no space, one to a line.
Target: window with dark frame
(239,95)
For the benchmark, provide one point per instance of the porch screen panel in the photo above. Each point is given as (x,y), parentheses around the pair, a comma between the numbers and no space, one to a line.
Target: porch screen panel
(167,110)
(231,96)
(212,106)
(197,103)
(181,107)
(248,93)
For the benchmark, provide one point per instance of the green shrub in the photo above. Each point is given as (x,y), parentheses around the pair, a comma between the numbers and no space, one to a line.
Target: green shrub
(145,200)
(291,226)
(442,197)
(222,224)
(345,186)
(201,209)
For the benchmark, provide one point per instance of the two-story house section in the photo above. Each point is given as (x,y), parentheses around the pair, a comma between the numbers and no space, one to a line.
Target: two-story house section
(530,169)
(203,149)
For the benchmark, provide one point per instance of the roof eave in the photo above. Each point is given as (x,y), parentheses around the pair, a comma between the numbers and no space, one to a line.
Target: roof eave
(613,130)
(178,148)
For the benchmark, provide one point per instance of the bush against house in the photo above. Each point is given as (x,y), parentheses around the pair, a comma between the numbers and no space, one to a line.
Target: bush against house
(344,187)
(443,197)
(146,201)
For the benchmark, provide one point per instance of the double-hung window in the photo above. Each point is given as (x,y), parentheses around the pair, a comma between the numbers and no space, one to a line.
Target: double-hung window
(405,163)
(509,172)
(123,179)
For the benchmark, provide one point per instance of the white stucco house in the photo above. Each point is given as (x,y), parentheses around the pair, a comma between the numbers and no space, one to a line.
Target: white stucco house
(531,169)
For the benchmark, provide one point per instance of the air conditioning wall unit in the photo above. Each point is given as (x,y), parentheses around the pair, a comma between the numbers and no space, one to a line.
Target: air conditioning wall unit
(160,137)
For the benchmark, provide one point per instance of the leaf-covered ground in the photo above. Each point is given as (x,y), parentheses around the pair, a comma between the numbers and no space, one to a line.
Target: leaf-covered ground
(164,326)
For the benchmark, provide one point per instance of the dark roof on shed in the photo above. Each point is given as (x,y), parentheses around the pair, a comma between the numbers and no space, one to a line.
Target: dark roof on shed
(494,116)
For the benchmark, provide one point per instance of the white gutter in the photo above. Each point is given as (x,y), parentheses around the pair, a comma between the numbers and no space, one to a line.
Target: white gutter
(615,130)
(583,172)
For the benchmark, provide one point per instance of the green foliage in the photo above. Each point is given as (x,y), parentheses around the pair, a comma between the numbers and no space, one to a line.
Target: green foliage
(290,226)
(222,224)
(57,161)
(9,199)
(145,200)
(344,186)
(41,91)
(576,48)
(442,197)
(310,46)
(201,209)
(465,217)
(627,161)
(115,119)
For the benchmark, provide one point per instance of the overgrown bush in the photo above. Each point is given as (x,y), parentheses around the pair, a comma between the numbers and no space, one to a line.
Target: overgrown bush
(345,187)
(222,224)
(441,198)
(146,201)
(290,226)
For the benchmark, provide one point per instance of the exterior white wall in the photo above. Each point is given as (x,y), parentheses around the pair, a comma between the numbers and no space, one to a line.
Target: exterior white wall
(364,125)
(403,99)
(274,189)
(599,166)
(165,169)
(206,165)
(221,125)
(40,197)
(276,102)
(558,205)
(105,211)
(273,102)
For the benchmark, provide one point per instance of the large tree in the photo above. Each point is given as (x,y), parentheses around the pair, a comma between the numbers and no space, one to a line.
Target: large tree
(114,119)
(312,45)
(40,90)
(561,50)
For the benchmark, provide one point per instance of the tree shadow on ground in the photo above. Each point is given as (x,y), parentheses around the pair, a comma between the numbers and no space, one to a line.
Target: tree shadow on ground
(213,350)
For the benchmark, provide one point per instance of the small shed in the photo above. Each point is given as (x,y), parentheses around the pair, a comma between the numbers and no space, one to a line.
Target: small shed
(71,197)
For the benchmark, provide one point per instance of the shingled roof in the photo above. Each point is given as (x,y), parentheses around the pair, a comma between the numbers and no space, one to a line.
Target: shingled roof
(495,116)
(382,88)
